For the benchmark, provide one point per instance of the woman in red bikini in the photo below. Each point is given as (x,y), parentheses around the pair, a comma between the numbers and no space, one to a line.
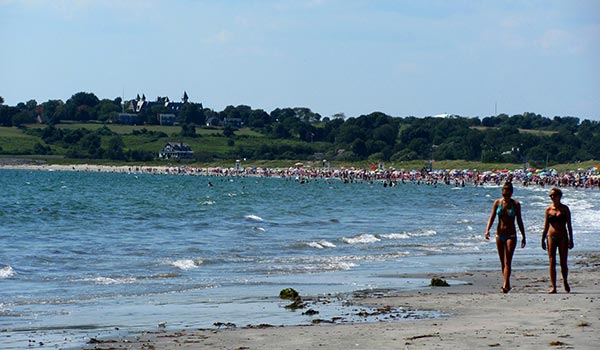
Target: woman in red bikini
(507,210)
(558,234)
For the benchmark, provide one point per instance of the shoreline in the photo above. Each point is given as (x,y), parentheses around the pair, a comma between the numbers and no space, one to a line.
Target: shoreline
(585,179)
(476,316)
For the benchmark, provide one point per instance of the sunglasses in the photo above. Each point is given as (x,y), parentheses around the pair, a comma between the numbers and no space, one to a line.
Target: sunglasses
(553,195)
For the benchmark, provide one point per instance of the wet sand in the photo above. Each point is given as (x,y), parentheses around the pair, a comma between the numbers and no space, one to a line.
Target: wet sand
(476,316)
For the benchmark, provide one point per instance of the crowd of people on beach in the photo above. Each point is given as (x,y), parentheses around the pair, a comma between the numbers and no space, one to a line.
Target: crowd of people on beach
(582,178)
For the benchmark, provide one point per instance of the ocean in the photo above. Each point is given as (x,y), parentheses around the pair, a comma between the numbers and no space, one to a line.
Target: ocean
(88,254)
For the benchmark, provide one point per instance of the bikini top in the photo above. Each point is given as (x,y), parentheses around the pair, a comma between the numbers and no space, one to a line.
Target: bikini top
(511,210)
(559,219)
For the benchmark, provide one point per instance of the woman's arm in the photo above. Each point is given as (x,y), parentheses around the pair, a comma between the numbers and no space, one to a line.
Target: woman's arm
(520,224)
(546,227)
(569,228)
(491,219)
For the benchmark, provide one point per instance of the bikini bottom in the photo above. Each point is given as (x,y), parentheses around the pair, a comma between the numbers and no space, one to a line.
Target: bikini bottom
(505,238)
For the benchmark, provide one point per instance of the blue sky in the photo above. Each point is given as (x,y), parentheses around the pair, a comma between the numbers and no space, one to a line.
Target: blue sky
(403,58)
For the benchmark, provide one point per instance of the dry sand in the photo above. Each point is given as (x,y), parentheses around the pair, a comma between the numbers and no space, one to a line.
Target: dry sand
(478,316)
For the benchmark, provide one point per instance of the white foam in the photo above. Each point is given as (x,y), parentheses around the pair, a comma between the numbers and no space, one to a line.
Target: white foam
(395,235)
(208,203)
(108,280)
(7,272)
(254,218)
(185,264)
(320,244)
(424,233)
(361,239)
(258,228)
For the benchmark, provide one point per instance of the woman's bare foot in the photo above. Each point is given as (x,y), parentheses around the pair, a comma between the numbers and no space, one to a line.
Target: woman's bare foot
(567,288)
(552,291)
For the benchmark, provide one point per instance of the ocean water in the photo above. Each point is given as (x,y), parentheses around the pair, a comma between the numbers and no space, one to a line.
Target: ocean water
(86,254)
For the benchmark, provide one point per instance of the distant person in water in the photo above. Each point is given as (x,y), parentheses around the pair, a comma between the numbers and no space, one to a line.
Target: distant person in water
(507,210)
(558,234)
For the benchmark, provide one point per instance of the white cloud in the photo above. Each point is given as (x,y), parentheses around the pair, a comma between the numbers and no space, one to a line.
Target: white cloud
(554,39)
(221,37)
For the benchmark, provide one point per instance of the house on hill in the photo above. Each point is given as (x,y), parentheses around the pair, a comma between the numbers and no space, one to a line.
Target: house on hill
(176,150)
(169,110)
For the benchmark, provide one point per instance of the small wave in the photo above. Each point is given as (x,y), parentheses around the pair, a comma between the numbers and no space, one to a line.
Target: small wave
(6,272)
(108,280)
(254,218)
(395,235)
(185,264)
(160,275)
(208,203)
(342,265)
(424,233)
(258,228)
(320,244)
(361,239)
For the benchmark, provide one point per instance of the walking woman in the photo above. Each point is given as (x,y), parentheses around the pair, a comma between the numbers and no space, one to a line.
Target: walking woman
(507,210)
(558,234)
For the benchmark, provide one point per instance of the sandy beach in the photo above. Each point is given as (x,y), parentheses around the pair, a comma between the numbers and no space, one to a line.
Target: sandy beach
(476,316)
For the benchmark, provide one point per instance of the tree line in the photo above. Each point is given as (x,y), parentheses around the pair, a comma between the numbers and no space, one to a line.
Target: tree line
(299,133)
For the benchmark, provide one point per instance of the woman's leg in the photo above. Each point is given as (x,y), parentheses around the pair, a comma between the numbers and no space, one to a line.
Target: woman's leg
(505,253)
(552,262)
(563,252)
(510,246)
(500,245)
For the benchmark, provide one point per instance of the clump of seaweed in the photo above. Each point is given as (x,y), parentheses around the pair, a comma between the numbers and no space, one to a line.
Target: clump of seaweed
(557,343)
(438,282)
(292,294)
(288,294)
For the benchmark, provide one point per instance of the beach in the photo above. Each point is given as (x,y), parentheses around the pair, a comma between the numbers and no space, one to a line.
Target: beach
(140,258)
(582,178)
(475,316)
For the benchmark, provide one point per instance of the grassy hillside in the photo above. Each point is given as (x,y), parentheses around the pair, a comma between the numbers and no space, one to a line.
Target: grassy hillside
(211,149)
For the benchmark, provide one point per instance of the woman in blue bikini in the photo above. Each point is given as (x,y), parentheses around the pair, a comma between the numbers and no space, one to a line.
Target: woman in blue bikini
(506,209)
(559,233)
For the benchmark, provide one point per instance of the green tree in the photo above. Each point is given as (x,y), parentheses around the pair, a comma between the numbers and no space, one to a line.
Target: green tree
(24,116)
(349,133)
(91,144)
(188,130)
(192,113)
(38,148)
(52,111)
(115,148)
(359,148)
(81,106)
(228,131)
(107,109)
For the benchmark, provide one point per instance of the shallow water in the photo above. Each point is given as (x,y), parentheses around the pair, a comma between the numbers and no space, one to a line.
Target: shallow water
(84,253)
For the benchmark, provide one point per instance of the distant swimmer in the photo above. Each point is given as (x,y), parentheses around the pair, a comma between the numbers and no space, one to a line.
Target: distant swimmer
(507,210)
(210,184)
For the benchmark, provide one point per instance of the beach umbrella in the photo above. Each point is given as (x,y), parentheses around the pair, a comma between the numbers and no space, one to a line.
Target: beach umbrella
(373,167)
(299,164)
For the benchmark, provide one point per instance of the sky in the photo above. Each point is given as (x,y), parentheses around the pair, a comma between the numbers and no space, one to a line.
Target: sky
(402,58)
